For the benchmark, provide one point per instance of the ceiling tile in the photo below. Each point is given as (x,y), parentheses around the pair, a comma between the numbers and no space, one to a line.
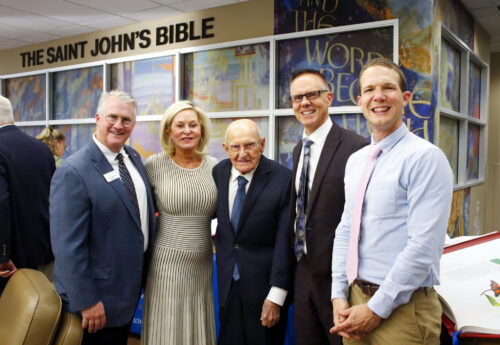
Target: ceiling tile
(195,5)
(74,30)
(109,22)
(9,31)
(38,37)
(155,13)
(10,16)
(8,44)
(117,6)
(58,9)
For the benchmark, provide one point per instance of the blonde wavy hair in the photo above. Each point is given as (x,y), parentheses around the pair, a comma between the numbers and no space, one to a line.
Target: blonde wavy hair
(51,136)
(166,123)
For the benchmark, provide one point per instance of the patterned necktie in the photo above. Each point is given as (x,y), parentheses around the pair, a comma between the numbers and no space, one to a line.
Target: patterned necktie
(300,220)
(352,252)
(127,182)
(239,199)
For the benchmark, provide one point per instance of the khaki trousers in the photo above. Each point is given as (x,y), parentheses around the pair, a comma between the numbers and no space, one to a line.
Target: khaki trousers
(416,322)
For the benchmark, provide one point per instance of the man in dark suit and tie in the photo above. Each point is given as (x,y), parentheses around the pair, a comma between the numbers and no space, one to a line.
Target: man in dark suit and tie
(317,202)
(26,167)
(102,220)
(253,260)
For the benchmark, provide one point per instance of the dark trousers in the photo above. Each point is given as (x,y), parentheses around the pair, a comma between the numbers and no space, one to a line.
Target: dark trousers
(107,336)
(313,315)
(240,322)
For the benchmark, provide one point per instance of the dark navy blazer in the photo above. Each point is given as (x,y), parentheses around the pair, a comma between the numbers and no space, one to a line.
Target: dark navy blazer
(260,244)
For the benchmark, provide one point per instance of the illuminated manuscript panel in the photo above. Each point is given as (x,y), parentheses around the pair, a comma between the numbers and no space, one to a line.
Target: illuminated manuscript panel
(448,141)
(450,77)
(27,95)
(339,57)
(473,135)
(474,90)
(235,78)
(77,136)
(151,82)
(290,133)
(77,92)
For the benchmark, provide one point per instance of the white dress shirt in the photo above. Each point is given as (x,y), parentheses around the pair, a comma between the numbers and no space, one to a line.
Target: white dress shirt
(318,138)
(276,295)
(140,187)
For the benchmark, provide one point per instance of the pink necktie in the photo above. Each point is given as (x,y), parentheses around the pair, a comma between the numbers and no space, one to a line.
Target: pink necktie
(352,252)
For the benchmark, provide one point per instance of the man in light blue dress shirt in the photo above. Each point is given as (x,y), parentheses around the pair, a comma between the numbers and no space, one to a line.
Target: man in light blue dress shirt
(403,224)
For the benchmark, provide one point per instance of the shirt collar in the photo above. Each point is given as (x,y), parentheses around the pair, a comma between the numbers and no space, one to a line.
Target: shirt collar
(110,155)
(320,134)
(392,139)
(235,173)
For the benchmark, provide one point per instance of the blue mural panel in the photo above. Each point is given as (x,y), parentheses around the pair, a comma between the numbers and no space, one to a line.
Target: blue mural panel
(450,77)
(474,91)
(77,136)
(76,92)
(27,96)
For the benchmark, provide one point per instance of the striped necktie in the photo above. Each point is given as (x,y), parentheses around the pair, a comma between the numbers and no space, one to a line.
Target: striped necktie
(127,182)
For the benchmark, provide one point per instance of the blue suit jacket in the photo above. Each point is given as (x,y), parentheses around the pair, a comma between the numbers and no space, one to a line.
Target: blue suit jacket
(26,167)
(96,236)
(260,244)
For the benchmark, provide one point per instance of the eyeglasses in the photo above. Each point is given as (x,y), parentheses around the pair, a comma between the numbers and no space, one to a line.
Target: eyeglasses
(310,96)
(112,119)
(246,147)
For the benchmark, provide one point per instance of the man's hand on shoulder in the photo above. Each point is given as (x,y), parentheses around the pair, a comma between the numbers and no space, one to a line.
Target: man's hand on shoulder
(7,269)
(270,314)
(94,318)
(359,320)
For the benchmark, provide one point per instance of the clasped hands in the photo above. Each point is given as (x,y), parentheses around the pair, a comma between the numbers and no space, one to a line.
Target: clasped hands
(353,322)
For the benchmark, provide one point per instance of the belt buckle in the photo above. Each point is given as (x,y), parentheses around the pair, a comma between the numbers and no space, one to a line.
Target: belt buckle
(366,287)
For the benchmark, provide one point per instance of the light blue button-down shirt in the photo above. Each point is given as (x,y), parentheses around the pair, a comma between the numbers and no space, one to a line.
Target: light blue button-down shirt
(404,220)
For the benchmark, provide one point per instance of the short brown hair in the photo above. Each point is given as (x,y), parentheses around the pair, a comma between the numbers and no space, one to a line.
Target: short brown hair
(384,62)
(298,73)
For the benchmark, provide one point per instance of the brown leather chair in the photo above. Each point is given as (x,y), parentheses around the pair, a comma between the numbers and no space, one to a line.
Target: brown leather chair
(31,313)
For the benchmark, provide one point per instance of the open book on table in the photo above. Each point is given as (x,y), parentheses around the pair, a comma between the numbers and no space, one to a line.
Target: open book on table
(470,290)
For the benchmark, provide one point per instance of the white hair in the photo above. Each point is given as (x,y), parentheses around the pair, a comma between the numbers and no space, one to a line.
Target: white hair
(122,95)
(6,115)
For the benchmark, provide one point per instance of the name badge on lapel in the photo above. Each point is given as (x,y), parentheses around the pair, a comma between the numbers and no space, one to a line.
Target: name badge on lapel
(111,176)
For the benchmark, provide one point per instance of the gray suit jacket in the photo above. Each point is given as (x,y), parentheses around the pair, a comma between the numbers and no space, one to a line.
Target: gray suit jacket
(96,236)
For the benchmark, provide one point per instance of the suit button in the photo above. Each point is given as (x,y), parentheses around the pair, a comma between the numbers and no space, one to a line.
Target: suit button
(236,246)
(140,269)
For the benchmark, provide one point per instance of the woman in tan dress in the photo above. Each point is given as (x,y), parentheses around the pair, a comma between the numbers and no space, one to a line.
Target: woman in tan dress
(178,306)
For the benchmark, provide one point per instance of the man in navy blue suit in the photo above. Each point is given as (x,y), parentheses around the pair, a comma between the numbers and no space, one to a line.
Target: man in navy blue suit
(26,167)
(102,220)
(253,260)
